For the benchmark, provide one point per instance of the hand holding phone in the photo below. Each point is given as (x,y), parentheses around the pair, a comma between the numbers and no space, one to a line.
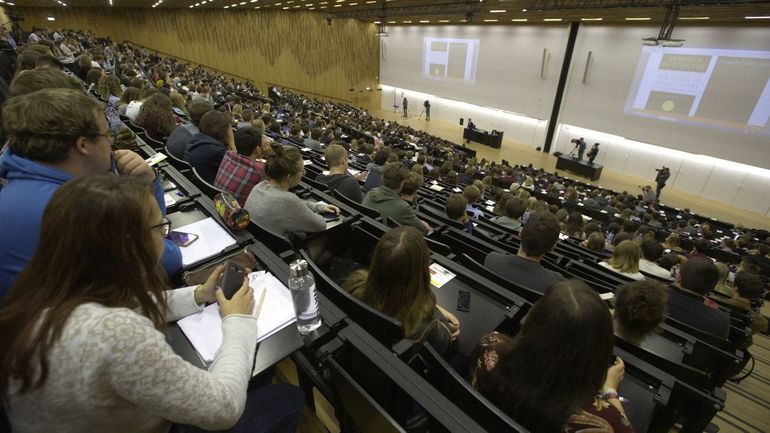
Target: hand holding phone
(232,279)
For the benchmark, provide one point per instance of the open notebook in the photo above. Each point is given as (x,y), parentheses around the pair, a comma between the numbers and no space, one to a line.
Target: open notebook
(212,239)
(204,329)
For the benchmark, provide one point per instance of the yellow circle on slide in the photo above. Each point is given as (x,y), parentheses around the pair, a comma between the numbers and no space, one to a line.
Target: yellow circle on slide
(668,106)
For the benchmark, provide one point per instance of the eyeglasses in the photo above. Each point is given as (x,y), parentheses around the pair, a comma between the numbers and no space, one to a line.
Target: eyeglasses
(110,135)
(164,226)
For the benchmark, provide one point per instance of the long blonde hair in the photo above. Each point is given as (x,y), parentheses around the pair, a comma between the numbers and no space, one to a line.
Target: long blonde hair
(625,257)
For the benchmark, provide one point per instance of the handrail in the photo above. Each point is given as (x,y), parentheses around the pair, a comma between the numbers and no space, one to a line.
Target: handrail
(305,91)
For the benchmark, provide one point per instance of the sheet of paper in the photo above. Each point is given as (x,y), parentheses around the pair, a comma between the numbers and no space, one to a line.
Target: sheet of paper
(204,329)
(490,208)
(169,199)
(158,157)
(353,171)
(457,189)
(212,239)
(435,187)
(607,296)
(439,275)
(307,162)
(490,202)
(306,149)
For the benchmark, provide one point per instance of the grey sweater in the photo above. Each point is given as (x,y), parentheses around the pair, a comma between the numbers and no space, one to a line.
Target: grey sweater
(282,212)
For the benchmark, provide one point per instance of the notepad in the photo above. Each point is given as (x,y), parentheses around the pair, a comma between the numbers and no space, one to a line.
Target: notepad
(435,187)
(212,239)
(204,329)
(439,275)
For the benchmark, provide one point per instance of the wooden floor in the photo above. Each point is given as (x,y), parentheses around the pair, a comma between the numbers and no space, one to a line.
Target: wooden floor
(517,153)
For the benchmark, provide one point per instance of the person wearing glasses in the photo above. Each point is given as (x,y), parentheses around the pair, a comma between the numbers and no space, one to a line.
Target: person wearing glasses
(55,135)
(82,328)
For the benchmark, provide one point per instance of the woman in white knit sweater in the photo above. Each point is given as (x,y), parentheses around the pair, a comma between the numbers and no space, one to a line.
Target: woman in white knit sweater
(83,347)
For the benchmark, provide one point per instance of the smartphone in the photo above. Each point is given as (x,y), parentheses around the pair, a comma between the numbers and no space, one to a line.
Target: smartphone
(329,217)
(181,238)
(232,279)
(463,301)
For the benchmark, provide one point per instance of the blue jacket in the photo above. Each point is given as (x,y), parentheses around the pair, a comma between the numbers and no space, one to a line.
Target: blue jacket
(23,199)
(205,153)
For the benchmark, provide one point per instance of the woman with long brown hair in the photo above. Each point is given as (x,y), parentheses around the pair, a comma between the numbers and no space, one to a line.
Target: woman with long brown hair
(156,117)
(398,284)
(83,347)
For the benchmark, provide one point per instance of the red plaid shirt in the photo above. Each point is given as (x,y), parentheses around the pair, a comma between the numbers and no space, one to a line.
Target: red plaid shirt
(238,174)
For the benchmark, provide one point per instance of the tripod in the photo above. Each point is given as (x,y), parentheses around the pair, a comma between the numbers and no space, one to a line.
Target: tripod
(421,113)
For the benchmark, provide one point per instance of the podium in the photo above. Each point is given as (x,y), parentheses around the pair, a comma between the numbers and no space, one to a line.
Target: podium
(491,139)
(579,166)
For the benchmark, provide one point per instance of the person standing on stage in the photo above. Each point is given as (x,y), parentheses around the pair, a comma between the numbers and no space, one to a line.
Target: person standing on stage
(471,127)
(405,104)
(663,175)
(427,109)
(593,153)
(581,148)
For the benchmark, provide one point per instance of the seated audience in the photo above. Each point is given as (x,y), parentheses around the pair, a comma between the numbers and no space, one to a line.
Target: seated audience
(455,210)
(554,377)
(312,139)
(246,117)
(723,286)
(405,295)
(388,203)
(513,211)
(134,107)
(240,170)
(55,135)
(339,179)
(640,307)
(686,303)
(374,170)
(130,95)
(625,260)
(747,287)
(652,251)
(208,146)
(538,237)
(179,139)
(409,191)
(273,207)
(109,89)
(472,194)
(573,227)
(87,344)
(156,117)
(595,242)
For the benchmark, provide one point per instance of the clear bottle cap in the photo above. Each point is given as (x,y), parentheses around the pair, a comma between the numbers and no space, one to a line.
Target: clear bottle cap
(298,268)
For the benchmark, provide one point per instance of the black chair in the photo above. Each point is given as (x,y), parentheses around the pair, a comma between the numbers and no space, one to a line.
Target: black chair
(179,164)
(371,213)
(443,377)
(155,144)
(206,188)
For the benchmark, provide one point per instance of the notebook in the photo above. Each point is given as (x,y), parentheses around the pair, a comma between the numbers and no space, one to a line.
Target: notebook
(212,239)
(204,329)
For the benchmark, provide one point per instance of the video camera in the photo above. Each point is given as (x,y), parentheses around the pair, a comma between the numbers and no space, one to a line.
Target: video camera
(576,140)
(426,104)
(664,168)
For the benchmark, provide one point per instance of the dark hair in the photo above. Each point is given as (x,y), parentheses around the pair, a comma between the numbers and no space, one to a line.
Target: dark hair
(295,129)
(699,275)
(471,193)
(629,226)
(198,108)
(640,307)
(76,264)
(93,75)
(130,94)
(559,359)
(247,139)
(574,224)
(411,183)
(455,206)
(596,242)
(620,237)
(540,234)
(652,250)
(515,208)
(749,285)
(669,260)
(286,161)
(393,174)
(750,264)
(215,124)
(247,115)
(381,157)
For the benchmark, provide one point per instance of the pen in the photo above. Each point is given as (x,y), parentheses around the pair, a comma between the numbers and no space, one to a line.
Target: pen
(261,302)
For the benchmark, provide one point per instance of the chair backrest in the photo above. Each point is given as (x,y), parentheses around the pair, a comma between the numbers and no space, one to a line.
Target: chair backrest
(472,265)
(155,144)
(384,328)
(446,380)
(175,162)
(206,188)
(371,213)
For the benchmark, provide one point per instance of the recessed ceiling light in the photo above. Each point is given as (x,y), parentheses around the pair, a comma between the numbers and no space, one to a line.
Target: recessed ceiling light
(758,18)
(551,19)
(519,20)
(637,19)
(497,11)
(590,19)
(693,18)
(490,21)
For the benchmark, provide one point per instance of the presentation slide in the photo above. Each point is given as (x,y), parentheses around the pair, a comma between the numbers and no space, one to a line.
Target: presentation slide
(450,59)
(716,88)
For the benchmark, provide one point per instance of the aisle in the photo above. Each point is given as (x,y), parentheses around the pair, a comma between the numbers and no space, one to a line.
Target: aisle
(516,153)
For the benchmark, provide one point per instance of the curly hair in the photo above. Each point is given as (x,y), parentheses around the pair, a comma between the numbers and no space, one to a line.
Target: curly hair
(640,307)
(109,85)
(157,110)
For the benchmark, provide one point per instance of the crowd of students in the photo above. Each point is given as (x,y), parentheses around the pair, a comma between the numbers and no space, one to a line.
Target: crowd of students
(84,297)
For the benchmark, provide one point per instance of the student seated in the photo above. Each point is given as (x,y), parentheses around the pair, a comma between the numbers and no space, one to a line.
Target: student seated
(652,251)
(723,285)
(156,117)
(240,171)
(455,211)
(686,299)
(554,376)
(472,194)
(538,237)
(56,135)
(375,169)
(273,207)
(208,147)
(747,287)
(179,139)
(84,350)
(640,307)
(388,203)
(408,193)
(513,211)
(595,242)
(405,295)
(338,178)
(625,260)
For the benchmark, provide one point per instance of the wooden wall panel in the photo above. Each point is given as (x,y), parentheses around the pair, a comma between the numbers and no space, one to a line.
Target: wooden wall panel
(294,49)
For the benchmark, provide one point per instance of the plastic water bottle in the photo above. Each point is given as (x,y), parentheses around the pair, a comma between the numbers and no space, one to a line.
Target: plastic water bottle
(302,286)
